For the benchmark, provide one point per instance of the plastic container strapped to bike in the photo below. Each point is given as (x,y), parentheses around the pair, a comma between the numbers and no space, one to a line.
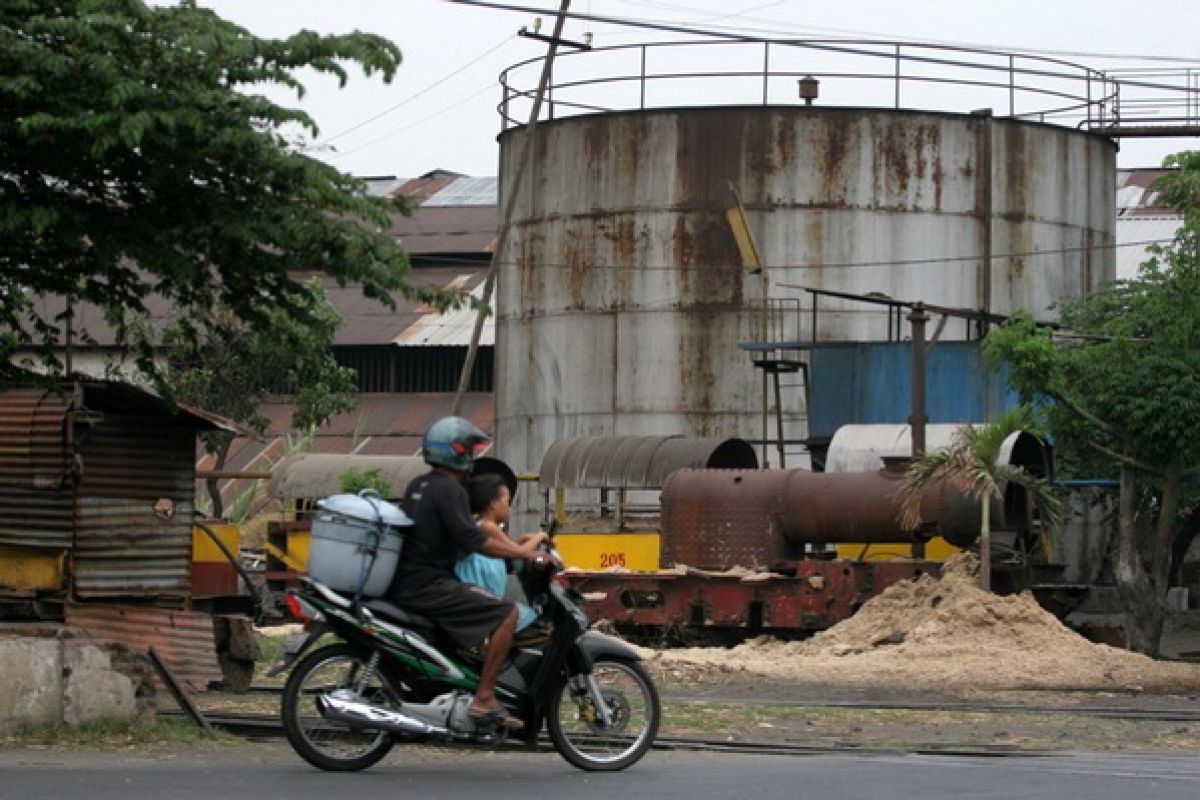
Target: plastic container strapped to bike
(356,543)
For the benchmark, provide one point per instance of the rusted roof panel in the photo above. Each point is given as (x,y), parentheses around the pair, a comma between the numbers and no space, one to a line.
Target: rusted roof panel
(433,230)
(184,639)
(381,424)
(366,321)
(421,189)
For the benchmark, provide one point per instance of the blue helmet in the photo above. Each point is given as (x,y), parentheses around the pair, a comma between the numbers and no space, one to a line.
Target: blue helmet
(453,442)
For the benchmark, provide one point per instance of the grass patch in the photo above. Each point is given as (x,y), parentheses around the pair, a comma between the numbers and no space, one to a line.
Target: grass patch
(106,733)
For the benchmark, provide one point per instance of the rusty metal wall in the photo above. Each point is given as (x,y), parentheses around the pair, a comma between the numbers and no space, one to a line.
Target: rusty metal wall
(133,512)
(184,639)
(621,301)
(34,466)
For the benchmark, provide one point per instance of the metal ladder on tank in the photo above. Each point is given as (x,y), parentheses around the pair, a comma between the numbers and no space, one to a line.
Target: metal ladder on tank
(784,371)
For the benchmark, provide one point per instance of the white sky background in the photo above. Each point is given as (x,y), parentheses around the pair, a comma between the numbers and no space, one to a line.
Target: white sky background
(453,125)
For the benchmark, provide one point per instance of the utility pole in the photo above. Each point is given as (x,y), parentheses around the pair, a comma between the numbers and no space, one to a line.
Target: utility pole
(507,208)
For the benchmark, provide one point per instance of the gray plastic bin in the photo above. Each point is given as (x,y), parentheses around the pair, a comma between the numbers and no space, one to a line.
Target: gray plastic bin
(354,533)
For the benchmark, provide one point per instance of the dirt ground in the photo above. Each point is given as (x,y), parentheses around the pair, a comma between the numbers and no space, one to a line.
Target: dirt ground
(974,670)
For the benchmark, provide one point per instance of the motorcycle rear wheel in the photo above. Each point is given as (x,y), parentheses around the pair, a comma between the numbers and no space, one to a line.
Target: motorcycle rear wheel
(325,744)
(578,732)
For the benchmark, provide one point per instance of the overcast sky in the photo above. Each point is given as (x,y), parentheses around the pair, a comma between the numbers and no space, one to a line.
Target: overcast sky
(440,111)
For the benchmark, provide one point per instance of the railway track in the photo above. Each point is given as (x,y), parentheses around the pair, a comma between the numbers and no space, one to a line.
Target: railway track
(260,726)
(1110,712)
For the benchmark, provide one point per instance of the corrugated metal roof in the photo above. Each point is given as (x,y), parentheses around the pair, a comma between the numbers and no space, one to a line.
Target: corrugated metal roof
(452,328)
(184,639)
(366,321)
(434,230)
(1135,197)
(636,462)
(467,191)
(381,424)
(382,185)
(424,187)
(1141,229)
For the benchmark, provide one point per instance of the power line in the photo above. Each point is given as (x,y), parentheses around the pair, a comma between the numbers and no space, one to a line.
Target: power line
(396,131)
(744,34)
(424,91)
(834,265)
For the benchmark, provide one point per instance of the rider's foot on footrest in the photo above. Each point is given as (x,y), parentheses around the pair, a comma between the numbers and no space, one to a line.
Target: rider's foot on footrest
(495,717)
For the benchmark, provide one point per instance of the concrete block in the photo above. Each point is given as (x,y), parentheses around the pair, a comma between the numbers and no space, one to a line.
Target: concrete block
(31,690)
(92,688)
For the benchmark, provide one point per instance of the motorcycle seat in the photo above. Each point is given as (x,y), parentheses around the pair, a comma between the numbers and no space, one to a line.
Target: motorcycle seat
(395,613)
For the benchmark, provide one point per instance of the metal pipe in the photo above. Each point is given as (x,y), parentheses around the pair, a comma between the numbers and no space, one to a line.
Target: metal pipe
(917,317)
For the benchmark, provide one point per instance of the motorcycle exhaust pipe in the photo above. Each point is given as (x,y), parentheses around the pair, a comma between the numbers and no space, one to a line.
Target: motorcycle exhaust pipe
(362,715)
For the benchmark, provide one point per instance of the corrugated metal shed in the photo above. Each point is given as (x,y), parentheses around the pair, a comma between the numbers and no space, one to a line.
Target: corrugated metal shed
(636,462)
(111,480)
(871,382)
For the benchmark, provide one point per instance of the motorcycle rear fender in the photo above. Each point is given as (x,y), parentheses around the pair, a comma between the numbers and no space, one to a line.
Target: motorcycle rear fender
(592,645)
(293,651)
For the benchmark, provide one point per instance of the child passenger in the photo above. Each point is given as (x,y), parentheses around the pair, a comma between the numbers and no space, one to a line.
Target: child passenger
(490,503)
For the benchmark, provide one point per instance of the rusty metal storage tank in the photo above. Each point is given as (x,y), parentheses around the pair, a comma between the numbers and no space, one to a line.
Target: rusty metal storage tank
(621,297)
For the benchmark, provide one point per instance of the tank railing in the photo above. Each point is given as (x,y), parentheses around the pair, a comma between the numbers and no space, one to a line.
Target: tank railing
(1093,96)
(791,314)
(1071,111)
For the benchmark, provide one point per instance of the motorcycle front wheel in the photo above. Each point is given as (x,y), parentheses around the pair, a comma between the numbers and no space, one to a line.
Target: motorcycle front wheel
(577,726)
(323,743)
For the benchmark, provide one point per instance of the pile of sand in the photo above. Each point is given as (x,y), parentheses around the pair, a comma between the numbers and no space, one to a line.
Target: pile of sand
(946,632)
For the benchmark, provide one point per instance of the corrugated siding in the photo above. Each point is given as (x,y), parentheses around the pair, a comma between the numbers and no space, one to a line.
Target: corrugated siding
(123,548)
(871,382)
(34,467)
(184,639)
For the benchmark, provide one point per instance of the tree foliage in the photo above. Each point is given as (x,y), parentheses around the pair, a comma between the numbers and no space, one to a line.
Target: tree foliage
(237,366)
(137,157)
(972,465)
(1124,375)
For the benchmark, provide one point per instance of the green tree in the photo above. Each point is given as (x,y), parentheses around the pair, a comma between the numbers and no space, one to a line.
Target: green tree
(972,464)
(237,366)
(1126,385)
(138,158)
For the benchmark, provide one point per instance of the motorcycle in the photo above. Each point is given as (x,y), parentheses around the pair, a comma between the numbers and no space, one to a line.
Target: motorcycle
(393,678)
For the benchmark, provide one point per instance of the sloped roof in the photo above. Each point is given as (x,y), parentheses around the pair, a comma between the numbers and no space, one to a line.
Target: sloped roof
(380,424)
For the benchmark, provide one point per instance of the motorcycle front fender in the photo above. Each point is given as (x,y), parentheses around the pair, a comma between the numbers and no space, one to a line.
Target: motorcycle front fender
(592,645)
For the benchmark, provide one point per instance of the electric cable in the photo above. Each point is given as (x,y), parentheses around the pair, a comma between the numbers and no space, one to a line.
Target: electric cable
(422,92)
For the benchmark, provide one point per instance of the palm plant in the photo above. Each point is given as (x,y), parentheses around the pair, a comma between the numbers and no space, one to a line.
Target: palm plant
(971,464)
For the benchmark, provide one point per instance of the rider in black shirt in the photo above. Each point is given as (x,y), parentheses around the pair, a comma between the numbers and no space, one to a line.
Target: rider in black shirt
(444,531)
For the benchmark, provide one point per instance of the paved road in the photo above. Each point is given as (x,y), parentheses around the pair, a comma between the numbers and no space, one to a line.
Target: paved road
(265,771)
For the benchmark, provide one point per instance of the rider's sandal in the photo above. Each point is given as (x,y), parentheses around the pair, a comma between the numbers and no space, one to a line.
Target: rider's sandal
(496,717)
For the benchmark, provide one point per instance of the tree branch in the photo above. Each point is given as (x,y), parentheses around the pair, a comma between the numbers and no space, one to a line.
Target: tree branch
(1070,403)
(1124,459)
